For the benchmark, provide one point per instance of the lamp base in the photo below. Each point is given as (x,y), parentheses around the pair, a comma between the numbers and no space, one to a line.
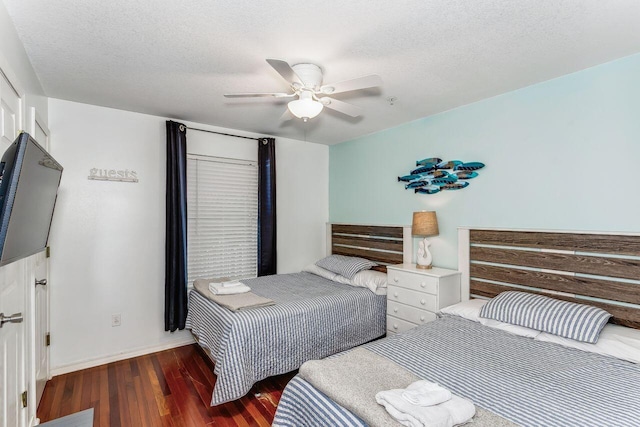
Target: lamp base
(424,258)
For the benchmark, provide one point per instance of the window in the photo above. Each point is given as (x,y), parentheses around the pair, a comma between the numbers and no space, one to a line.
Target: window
(222,212)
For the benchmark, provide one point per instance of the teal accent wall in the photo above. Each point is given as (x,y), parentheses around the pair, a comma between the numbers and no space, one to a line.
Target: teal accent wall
(563,154)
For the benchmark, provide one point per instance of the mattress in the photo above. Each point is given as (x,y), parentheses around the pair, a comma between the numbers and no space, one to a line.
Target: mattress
(528,382)
(313,317)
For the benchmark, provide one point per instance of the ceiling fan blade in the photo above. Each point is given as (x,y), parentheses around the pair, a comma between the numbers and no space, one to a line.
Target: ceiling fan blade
(252,95)
(364,82)
(341,107)
(285,70)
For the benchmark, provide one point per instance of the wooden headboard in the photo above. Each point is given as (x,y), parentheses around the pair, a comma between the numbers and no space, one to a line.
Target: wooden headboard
(384,244)
(600,269)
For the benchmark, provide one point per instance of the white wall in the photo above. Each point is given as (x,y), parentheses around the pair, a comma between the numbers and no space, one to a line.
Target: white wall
(561,154)
(107,238)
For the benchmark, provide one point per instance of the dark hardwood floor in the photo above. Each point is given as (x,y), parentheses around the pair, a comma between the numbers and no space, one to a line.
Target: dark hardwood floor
(169,388)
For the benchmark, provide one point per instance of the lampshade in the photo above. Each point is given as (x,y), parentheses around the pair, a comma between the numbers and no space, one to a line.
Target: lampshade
(306,107)
(425,223)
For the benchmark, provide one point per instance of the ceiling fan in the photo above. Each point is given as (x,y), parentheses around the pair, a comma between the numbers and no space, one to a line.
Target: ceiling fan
(305,81)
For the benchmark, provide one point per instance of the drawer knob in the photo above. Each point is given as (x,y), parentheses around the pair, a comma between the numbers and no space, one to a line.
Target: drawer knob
(422,284)
(395,310)
(422,318)
(395,326)
(395,279)
(395,294)
(423,302)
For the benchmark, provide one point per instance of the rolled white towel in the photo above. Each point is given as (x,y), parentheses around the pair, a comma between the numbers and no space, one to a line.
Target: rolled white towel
(452,412)
(460,409)
(220,289)
(411,415)
(425,393)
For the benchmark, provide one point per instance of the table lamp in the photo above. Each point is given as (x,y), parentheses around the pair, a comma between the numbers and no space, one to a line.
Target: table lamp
(425,223)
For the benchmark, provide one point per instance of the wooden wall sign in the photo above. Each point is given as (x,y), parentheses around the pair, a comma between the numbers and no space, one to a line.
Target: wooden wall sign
(117,175)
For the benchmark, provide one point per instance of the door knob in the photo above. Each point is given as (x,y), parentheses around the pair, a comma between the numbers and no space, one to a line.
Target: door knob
(42,282)
(14,318)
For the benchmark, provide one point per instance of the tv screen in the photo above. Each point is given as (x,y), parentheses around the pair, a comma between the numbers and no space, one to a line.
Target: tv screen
(29,180)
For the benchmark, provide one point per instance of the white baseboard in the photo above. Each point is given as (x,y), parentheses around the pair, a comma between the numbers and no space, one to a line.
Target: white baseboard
(85,364)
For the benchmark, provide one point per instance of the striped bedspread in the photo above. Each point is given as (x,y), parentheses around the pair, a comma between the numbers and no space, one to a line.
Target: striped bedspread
(313,317)
(528,382)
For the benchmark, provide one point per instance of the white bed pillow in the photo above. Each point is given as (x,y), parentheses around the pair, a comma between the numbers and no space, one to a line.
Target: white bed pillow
(319,271)
(470,310)
(615,341)
(341,279)
(330,275)
(376,281)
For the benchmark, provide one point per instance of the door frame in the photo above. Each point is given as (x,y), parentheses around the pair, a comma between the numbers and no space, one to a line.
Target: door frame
(37,339)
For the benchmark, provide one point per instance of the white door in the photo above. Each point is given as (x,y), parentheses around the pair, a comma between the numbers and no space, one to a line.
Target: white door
(12,287)
(40,304)
(41,312)
(12,345)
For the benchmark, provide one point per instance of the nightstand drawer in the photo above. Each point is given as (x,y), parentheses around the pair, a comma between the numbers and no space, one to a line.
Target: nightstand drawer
(412,298)
(397,325)
(416,282)
(411,314)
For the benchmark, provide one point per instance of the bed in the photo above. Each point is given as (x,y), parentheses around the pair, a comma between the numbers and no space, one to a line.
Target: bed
(528,379)
(313,317)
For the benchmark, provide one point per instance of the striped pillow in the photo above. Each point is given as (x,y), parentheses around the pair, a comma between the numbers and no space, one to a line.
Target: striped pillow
(346,266)
(579,322)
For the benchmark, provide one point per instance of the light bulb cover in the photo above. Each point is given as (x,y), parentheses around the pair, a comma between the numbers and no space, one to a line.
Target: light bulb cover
(305,107)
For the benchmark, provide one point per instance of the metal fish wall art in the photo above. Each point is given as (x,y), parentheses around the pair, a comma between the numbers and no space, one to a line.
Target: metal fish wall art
(465,174)
(430,160)
(428,190)
(430,175)
(416,184)
(423,168)
(424,175)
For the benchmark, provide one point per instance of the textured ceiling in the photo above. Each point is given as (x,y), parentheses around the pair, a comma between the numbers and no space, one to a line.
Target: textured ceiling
(177,58)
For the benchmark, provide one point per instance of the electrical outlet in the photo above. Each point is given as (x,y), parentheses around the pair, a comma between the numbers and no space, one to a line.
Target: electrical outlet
(116,319)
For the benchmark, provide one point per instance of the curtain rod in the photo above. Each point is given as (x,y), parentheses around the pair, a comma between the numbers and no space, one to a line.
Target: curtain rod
(225,134)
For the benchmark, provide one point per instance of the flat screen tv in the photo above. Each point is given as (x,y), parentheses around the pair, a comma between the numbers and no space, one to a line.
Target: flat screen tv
(29,180)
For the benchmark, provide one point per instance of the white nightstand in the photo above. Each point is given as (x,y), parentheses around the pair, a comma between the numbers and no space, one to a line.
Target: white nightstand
(414,295)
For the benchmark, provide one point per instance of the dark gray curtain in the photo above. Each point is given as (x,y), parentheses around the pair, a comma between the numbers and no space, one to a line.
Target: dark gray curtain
(175,281)
(267,261)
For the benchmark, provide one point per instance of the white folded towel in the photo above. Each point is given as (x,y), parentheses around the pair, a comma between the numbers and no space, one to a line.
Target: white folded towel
(230,283)
(425,393)
(460,409)
(222,289)
(454,411)
(411,415)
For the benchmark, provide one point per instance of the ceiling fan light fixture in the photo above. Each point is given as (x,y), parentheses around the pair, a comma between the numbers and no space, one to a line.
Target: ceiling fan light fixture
(306,107)
(305,81)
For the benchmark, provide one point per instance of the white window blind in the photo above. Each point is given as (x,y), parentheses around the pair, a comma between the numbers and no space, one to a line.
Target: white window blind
(222,211)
